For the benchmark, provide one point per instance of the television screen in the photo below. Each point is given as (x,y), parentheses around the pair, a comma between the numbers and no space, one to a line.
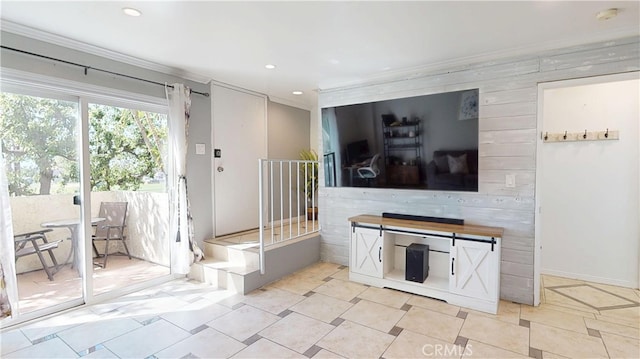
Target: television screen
(426,142)
(357,152)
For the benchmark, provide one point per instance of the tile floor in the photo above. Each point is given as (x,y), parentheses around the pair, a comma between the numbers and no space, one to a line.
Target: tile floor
(36,291)
(318,313)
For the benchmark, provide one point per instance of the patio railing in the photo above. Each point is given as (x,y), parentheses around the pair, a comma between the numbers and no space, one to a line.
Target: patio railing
(287,201)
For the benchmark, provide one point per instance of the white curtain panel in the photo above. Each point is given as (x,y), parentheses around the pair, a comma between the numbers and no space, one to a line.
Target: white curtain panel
(184,250)
(8,285)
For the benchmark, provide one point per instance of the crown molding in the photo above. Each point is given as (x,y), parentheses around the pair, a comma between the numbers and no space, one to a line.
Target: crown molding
(48,37)
(272,98)
(290,103)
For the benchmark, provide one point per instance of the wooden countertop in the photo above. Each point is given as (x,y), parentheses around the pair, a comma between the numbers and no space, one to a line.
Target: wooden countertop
(443,227)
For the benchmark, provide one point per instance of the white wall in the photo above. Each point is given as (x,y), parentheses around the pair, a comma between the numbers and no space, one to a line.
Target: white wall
(589,190)
(288,132)
(508,133)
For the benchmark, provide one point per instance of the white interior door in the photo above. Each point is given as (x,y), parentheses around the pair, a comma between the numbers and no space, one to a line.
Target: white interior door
(239,132)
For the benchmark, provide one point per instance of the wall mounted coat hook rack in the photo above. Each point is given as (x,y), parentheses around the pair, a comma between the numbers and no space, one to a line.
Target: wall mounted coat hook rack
(567,136)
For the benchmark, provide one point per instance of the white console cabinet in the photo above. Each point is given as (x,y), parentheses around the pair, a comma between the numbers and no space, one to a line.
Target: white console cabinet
(464,260)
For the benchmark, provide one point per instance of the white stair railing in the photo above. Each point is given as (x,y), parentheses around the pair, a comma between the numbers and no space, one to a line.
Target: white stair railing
(288,201)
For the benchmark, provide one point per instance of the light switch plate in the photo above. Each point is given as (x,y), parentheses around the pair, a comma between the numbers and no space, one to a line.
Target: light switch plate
(200,149)
(510,181)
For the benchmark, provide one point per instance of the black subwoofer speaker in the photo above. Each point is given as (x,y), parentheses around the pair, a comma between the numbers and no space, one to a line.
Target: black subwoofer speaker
(417,262)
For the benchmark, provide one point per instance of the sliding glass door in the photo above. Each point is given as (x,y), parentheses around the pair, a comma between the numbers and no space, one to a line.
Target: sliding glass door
(87,179)
(129,199)
(40,134)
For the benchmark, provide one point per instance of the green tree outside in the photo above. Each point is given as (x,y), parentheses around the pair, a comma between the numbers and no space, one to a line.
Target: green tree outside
(125,147)
(39,135)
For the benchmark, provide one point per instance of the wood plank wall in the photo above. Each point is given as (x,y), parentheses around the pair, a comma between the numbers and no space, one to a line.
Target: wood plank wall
(507,145)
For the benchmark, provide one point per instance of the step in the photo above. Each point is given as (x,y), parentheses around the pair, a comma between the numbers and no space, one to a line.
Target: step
(236,266)
(241,254)
(221,274)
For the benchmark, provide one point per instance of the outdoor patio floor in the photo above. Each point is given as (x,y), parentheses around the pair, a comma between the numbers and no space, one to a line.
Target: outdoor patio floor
(37,292)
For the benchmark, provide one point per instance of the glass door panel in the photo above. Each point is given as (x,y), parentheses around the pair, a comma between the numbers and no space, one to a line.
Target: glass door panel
(40,147)
(130,203)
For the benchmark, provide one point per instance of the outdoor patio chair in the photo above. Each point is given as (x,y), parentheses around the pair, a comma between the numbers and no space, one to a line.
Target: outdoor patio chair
(37,243)
(111,229)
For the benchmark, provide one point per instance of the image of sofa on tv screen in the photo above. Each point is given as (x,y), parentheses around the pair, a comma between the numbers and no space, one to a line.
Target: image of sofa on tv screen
(453,170)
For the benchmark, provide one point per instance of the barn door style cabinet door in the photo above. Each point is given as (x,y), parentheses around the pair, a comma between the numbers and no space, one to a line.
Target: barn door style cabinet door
(366,251)
(474,268)
(463,260)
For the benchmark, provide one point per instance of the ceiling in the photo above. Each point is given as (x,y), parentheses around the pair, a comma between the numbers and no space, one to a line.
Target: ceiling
(320,45)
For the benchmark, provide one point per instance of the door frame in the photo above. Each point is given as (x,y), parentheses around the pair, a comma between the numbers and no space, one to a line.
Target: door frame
(542,86)
(214,145)
(85,93)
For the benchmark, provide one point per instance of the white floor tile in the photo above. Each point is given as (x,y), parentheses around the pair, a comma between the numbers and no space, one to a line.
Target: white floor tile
(272,300)
(340,289)
(413,345)
(264,348)
(101,331)
(11,341)
(57,324)
(374,315)
(53,348)
(243,322)
(195,314)
(353,340)
(143,310)
(297,332)
(208,343)
(102,353)
(322,307)
(325,354)
(147,340)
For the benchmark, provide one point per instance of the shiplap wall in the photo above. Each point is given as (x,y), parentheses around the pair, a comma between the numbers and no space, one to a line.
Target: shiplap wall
(507,145)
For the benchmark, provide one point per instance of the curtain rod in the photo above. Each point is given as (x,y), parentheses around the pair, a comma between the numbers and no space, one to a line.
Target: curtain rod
(87,68)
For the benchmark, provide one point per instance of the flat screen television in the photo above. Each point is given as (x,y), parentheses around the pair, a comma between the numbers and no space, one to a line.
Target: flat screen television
(357,152)
(425,142)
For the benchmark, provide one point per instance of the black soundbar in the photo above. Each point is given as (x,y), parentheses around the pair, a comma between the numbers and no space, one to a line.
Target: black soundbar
(423,218)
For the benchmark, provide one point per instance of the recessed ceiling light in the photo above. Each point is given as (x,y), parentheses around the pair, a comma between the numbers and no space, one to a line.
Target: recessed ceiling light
(131,11)
(607,14)
(297,92)
(270,66)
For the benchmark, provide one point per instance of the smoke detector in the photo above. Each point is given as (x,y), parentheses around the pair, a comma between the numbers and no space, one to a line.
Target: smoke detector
(607,14)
